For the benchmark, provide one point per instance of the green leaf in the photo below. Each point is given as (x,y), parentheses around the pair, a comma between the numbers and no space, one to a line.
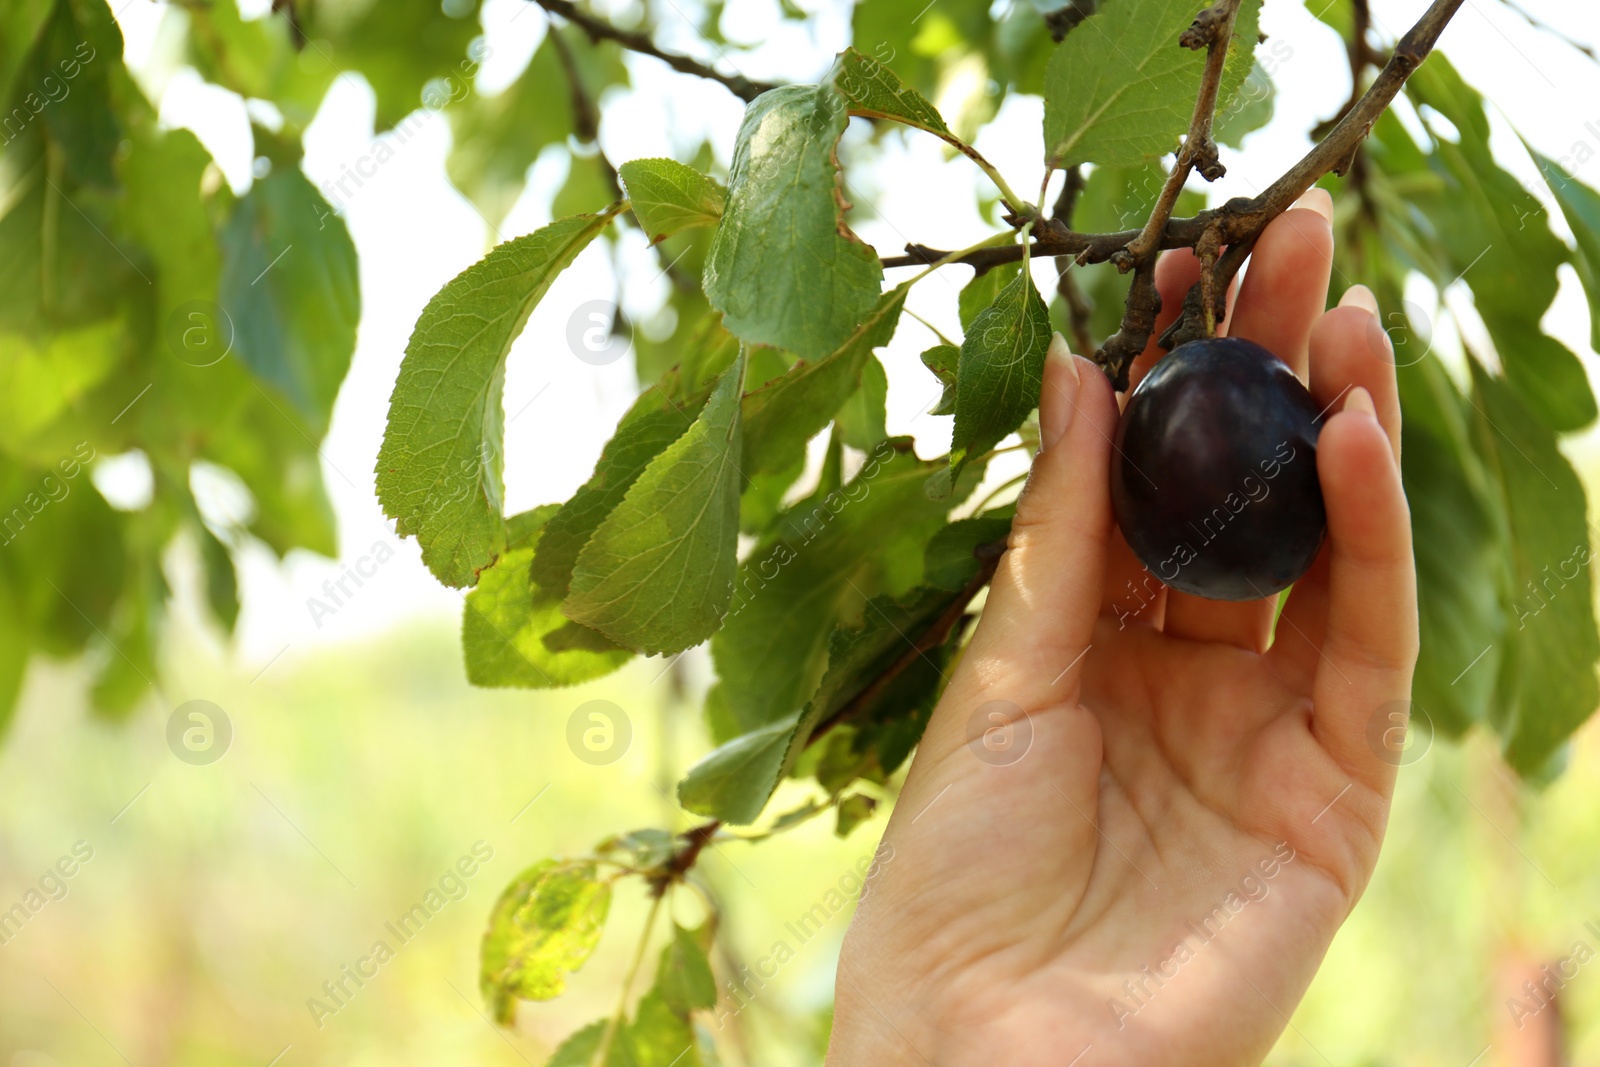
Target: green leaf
(1548,677)
(784,269)
(658,572)
(661,1036)
(641,849)
(1547,683)
(1001,370)
(1120,88)
(733,782)
(668,197)
(439,470)
(684,978)
(545,925)
(889,632)
(166,210)
(982,291)
(1250,110)
(862,419)
(13,669)
(1461,553)
(41,382)
(513,634)
(1581,205)
(289,286)
(79,56)
(824,558)
(872,90)
(649,427)
(259,58)
(579,1050)
(854,810)
(783,414)
(222,583)
(399,49)
(949,562)
(943,360)
(21,23)
(1488,231)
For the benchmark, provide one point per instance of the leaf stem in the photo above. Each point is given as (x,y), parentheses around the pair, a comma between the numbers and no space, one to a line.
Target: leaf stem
(599,29)
(603,1051)
(991,241)
(997,490)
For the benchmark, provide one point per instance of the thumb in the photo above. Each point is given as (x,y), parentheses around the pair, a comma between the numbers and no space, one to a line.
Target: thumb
(1040,614)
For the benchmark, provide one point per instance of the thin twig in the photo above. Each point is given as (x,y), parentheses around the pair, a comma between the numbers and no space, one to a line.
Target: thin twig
(1213,31)
(1240,221)
(1078,307)
(935,635)
(585,116)
(599,29)
(1545,27)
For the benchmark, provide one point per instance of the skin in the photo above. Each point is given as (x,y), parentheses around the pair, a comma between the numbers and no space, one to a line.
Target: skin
(1197,797)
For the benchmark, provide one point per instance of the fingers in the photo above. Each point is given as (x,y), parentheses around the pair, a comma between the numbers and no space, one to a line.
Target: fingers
(1283,294)
(1046,593)
(1370,644)
(1286,287)
(1348,350)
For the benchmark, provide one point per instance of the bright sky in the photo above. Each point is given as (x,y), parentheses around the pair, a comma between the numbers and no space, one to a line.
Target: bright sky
(414,232)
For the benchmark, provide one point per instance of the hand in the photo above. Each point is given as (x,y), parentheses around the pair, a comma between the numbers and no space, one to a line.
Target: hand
(1157,877)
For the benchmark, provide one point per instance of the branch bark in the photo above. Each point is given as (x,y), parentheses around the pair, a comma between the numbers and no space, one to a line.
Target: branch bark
(1078,307)
(1240,221)
(599,29)
(1213,31)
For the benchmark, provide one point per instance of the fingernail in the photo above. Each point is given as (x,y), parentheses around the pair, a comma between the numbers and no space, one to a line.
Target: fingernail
(1360,296)
(1318,200)
(1358,399)
(1058,405)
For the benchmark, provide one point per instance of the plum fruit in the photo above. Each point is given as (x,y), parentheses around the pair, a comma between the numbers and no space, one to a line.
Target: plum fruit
(1215,478)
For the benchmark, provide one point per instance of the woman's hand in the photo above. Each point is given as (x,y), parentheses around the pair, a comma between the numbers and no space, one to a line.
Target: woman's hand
(1185,805)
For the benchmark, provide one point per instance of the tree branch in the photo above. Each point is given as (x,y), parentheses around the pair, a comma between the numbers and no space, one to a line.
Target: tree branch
(1078,307)
(1240,221)
(599,29)
(585,116)
(1213,31)
(935,635)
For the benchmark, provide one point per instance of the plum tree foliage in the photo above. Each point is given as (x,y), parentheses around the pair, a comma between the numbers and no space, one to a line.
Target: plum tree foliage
(833,601)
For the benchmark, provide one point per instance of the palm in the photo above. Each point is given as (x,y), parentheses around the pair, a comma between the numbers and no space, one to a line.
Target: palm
(1188,810)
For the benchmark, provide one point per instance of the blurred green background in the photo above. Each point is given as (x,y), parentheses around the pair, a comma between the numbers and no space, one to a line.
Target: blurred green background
(220,898)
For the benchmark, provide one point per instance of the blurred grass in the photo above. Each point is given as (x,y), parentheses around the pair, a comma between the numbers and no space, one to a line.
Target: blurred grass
(222,898)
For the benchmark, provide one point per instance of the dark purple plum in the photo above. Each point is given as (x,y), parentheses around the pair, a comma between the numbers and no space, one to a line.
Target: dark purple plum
(1215,477)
